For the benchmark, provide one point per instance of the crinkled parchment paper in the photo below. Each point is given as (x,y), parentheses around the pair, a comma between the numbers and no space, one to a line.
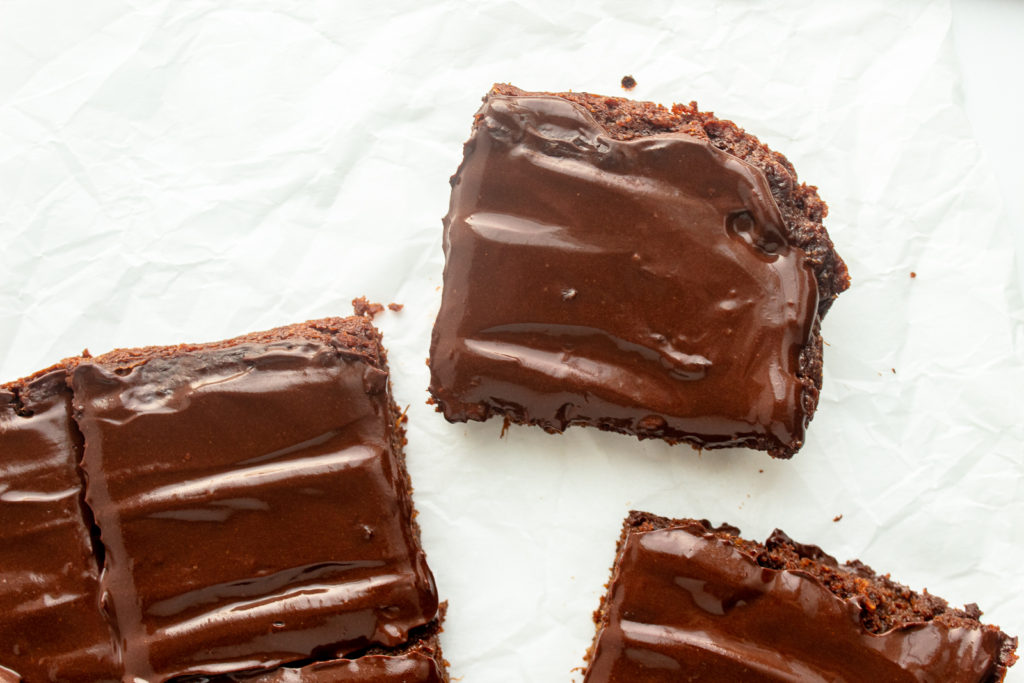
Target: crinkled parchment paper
(188,171)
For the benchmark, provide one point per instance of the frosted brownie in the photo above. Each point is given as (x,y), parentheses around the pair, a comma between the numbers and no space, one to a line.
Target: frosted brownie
(689,601)
(252,499)
(644,270)
(51,626)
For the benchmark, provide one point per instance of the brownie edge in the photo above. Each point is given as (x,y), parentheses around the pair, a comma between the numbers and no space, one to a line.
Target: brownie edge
(688,595)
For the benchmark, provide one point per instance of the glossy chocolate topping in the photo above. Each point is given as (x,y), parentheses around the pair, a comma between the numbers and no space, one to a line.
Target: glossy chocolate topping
(51,626)
(685,604)
(413,667)
(253,506)
(643,286)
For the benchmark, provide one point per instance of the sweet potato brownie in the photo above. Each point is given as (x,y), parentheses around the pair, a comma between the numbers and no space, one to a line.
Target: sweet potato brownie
(687,601)
(51,627)
(650,271)
(252,505)
(252,498)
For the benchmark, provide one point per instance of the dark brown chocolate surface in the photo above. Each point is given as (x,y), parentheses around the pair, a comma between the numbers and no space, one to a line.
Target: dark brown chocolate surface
(51,626)
(252,500)
(687,602)
(649,286)
(409,668)
(422,663)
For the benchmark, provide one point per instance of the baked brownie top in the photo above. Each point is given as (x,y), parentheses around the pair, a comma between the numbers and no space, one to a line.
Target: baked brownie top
(51,627)
(252,499)
(688,597)
(642,283)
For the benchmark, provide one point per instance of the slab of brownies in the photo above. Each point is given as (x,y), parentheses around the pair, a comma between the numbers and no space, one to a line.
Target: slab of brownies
(195,511)
(644,270)
(687,601)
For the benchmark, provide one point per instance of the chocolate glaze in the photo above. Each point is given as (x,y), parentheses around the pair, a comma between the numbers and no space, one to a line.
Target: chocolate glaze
(252,503)
(687,604)
(51,626)
(413,667)
(642,286)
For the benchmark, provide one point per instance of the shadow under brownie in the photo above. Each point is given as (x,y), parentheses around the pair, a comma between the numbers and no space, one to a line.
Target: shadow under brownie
(647,271)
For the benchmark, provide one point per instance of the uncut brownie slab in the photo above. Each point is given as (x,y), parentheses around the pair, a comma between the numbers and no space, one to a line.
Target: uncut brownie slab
(690,602)
(252,499)
(643,270)
(51,626)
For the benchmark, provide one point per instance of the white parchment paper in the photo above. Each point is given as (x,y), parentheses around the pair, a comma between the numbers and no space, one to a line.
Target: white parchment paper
(189,171)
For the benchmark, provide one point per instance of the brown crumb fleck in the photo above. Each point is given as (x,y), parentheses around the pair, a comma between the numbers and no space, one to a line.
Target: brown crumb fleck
(893,370)
(628,82)
(395,307)
(365,308)
(913,274)
(837,518)
(505,426)
(760,471)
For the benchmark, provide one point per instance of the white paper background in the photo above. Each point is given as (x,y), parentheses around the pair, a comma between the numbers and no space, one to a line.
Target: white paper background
(188,171)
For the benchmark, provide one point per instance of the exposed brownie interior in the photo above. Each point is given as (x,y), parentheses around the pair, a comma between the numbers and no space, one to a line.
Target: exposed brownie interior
(719,605)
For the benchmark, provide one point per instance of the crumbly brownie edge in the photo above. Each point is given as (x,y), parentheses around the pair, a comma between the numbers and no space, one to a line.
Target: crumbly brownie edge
(354,337)
(854,580)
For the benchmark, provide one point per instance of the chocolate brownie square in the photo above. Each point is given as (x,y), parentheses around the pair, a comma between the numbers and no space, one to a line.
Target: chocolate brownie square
(252,499)
(618,264)
(688,601)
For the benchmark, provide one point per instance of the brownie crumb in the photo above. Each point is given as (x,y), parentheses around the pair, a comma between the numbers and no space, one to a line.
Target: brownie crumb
(395,307)
(628,82)
(837,518)
(365,308)
(913,274)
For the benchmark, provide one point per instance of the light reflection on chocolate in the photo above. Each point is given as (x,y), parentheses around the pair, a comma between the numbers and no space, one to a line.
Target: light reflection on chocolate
(644,286)
(685,604)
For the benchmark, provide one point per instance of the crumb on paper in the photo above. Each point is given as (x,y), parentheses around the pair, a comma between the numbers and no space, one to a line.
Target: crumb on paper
(395,307)
(366,308)
(505,426)
(837,518)
(628,82)
(913,274)
(760,471)
(893,370)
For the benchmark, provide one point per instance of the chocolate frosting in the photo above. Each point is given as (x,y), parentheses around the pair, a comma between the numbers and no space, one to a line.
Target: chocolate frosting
(413,667)
(252,506)
(643,286)
(51,626)
(685,604)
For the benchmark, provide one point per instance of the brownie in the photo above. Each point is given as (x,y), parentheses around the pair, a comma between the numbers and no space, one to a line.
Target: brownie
(650,271)
(688,600)
(51,625)
(238,505)
(252,499)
